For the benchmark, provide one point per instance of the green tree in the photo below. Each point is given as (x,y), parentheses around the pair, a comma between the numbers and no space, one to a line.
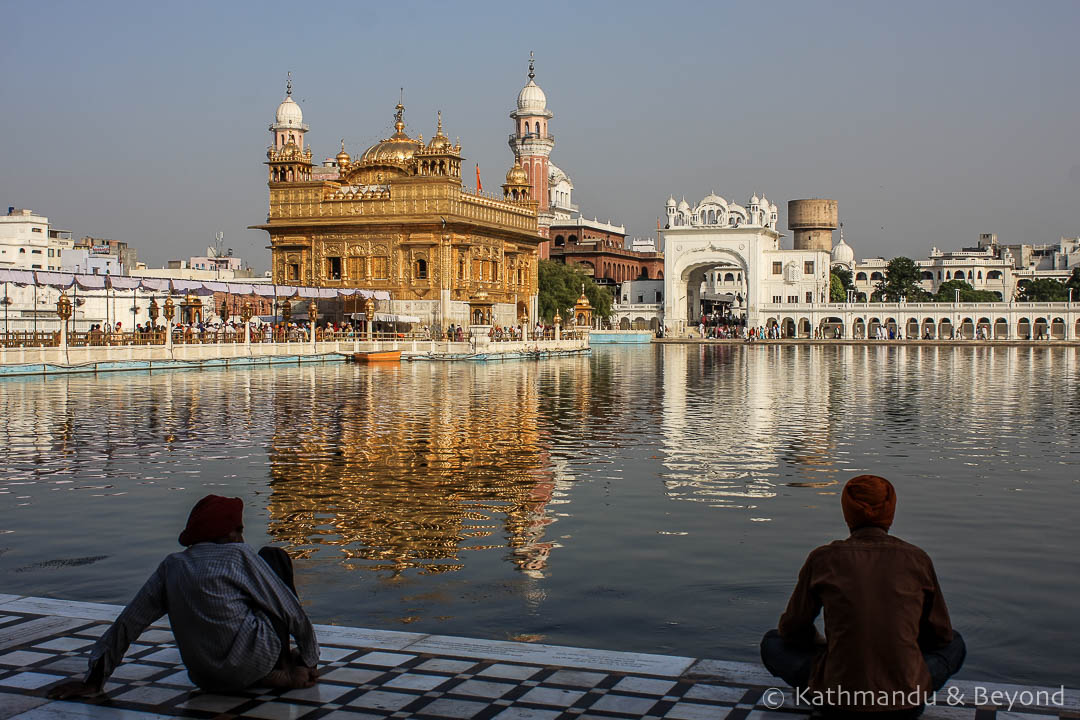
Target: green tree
(1043,290)
(1073,283)
(839,283)
(560,287)
(902,278)
(947,293)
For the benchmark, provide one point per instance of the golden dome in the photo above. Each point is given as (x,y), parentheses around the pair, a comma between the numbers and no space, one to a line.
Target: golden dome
(398,149)
(342,157)
(440,142)
(517,175)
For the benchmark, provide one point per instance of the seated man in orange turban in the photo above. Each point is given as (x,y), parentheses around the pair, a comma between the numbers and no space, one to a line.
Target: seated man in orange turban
(232,611)
(888,640)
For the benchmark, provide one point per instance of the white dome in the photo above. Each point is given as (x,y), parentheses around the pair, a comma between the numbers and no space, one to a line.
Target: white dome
(289,113)
(532,99)
(842,253)
(684,206)
(754,200)
(671,201)
(556,176)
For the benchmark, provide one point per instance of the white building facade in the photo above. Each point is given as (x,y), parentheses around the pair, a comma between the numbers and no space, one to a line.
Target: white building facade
(723,248)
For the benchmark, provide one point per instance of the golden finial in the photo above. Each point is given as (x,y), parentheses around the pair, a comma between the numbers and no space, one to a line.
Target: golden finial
(342,144)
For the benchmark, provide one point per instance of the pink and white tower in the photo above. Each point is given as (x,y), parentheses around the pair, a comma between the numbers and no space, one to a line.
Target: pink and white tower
(288,122)
(532,144)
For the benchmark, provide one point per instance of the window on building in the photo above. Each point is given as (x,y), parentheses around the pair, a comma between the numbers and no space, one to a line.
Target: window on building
(792,299)
(421,269)
(777,268)
(808,267)
(50,254)
(659,296)
(294,271)
(36,267)
(641,298)
(37,230)
(380,268)
(35,252)
(333,268)
(809,297)
(777,299)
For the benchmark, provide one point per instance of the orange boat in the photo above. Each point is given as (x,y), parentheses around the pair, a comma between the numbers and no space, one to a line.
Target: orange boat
(380,356)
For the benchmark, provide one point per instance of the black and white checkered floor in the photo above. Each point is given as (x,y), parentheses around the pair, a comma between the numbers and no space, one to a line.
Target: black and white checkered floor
(387,674)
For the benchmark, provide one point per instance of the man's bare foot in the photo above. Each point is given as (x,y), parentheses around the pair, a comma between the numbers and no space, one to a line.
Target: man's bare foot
(75,690)
(291,677)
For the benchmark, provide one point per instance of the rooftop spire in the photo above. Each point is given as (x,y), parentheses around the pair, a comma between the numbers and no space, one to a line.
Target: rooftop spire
(288,85)
(438,131)
(399,122)
(532,74)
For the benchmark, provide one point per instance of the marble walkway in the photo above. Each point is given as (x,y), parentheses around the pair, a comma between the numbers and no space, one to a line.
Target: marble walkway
(389,674)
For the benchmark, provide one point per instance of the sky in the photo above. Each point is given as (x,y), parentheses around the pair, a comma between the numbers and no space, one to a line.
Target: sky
(928,122)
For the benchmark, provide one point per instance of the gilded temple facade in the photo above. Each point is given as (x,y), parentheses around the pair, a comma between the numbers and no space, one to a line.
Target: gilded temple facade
(399,219)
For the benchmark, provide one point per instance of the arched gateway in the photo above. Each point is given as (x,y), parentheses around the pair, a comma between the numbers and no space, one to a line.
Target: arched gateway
(703,245)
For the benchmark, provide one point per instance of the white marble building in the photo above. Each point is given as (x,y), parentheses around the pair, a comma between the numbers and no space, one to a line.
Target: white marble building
(722,248)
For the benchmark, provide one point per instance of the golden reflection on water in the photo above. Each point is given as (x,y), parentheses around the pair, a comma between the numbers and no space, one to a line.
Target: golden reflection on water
(413,481)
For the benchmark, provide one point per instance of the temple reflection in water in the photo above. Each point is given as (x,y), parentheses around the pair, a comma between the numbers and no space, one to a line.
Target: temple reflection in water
(412,481)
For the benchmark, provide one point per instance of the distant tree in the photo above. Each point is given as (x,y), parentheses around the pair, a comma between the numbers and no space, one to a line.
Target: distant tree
(902,278)
(560,287)
(837,293)
(1043,290)
(846,278)
(1074,283)
(947,293)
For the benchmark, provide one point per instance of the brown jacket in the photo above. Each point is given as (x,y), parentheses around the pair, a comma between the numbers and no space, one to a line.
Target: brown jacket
(883,607)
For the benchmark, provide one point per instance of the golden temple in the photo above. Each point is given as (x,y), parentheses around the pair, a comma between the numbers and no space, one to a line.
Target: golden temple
(399,219)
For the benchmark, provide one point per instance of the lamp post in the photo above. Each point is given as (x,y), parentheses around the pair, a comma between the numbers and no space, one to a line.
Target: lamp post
(369,316)
(152,311)
(245,316)
(313,315)
(63,309)
(170,308)
(557,321)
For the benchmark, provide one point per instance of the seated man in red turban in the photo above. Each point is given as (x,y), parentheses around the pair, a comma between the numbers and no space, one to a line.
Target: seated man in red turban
(888,640)
(232,611)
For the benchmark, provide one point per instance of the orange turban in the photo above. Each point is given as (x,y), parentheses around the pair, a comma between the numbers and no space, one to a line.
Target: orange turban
(868,500)
(213,518)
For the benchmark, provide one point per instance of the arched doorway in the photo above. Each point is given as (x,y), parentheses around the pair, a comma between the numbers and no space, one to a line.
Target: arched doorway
(1023,329)
(891,327)
(929,330)
(686,269)
(1057,328)
(872,328)
(983,329)
(805,328)
(1001,329)
(1041,331)
(966,331)
(911,332)
(945,329)
(858,329)
(624,323)
(832,328)
(787,329)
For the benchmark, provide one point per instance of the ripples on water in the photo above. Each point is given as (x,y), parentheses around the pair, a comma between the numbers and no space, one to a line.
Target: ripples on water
(656,499)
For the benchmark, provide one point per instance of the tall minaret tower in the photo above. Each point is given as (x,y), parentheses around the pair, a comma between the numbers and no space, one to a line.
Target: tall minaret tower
(288,160)
(288,122)
(532,145)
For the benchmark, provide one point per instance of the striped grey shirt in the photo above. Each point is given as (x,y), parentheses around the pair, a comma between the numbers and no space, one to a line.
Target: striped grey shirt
(220,598)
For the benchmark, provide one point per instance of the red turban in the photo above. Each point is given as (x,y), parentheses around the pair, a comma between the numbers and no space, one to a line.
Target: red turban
(213,518)
(868,500)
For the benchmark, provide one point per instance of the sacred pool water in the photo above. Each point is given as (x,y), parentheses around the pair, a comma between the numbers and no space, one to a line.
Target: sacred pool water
(657,498)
